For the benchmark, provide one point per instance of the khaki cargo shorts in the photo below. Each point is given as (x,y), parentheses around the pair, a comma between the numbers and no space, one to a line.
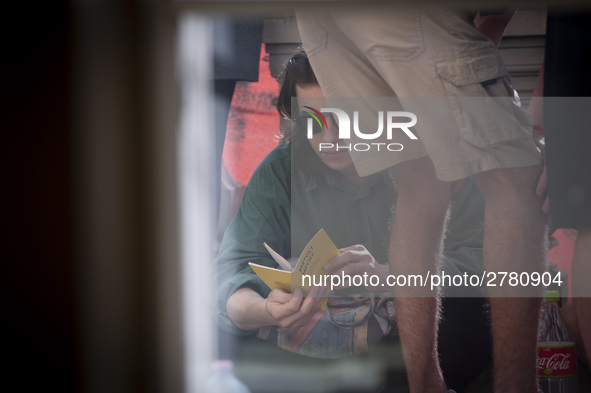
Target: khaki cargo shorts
(437,66)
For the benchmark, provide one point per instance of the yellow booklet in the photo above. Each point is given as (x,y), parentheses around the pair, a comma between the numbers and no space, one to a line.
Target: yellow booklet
(318,251)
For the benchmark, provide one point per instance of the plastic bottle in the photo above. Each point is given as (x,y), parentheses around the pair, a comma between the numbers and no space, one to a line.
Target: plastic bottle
(223,379)
(557,360)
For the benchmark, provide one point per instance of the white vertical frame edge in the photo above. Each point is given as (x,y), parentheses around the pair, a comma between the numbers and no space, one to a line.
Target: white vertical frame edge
(196,181)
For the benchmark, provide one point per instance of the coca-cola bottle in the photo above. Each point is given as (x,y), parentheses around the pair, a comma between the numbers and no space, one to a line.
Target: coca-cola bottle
(557,360)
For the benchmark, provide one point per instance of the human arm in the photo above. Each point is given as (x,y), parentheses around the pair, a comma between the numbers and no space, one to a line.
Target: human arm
(264,216)
(250,311)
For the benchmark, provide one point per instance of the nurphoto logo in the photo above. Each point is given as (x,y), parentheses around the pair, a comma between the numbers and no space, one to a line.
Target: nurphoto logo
(392,122)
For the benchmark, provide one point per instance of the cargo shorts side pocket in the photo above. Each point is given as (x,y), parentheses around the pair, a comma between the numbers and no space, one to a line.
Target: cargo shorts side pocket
(485,106)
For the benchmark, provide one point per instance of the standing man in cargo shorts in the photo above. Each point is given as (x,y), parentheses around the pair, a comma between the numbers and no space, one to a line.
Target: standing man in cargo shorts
(469,123)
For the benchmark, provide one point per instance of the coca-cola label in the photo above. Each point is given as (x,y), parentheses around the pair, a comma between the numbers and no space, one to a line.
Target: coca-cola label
(557,361)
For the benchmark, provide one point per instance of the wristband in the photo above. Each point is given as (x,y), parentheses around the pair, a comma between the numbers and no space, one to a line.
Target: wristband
(538,128)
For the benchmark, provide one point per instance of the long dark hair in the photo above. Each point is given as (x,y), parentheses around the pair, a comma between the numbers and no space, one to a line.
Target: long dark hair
(297,72)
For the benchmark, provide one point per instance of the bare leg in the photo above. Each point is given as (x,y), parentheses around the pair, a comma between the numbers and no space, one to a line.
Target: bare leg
(415,248)
(514,241)
(581,282)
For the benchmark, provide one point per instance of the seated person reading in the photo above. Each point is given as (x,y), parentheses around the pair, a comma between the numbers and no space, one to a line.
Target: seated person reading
(298,190)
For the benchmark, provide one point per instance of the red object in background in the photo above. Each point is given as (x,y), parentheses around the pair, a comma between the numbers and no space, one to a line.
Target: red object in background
(253,124)
(562,254)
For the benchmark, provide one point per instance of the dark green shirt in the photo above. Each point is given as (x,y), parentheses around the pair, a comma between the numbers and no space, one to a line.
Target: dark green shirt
(286,208)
